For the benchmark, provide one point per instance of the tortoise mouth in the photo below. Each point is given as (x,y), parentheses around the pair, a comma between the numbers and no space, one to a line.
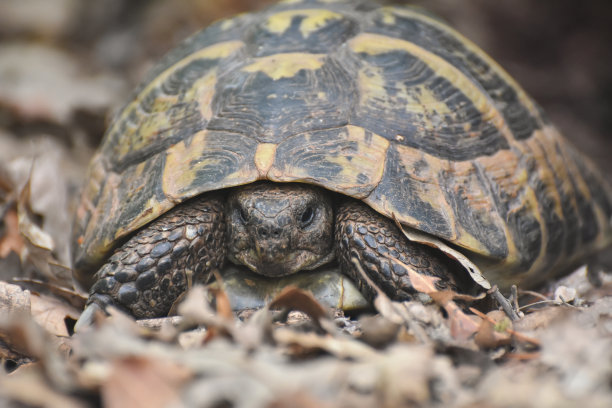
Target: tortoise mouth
(273,270)
(248,290)
(281,265)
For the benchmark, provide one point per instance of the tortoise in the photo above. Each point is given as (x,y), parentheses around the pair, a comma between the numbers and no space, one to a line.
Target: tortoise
(308,133)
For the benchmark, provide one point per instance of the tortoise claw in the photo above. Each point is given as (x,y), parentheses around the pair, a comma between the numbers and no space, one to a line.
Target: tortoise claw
(88,317)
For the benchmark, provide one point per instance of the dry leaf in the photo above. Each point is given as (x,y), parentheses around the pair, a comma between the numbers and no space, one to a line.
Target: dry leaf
(28,339)
(13,300)
(469,266)
(540,319)
(501,327)
(293,298)
(42,83)
(50,20)
(495,331)
(340,347)
(14,305)
(51,314)
(11,240)
(222,304)
(29,386)
(74,297)
(377,331)
(197,310)
(143,382)
(462,325)
(563,294)
(39,244)
(298,400)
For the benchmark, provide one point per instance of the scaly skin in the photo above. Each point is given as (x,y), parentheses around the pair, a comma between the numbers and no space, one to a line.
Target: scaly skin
(267,227)
(147,274)
(382,251)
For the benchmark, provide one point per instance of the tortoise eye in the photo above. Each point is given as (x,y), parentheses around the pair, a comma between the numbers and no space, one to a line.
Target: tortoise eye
(307,217)
(244,217)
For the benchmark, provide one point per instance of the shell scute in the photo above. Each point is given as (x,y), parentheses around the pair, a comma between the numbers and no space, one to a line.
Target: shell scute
(518,110)
(276,97)
(423,98)
(300,30)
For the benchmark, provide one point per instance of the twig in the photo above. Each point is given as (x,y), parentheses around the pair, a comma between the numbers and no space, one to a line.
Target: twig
(552,302)
(504,303)
(514,297)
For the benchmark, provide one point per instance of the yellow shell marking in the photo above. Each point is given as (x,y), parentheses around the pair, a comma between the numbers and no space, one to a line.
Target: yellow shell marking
(220,50)
(371,85)
(363,172)
(187,160)
(388,16)
(230,22)
(203,90)
(372,88)
(571,167)
(264,158)
(313,20)
(105,187)
(179,158)
(286,65)
(369,157)
(429,191)
(548,162)
(374,44)
(139,137)
(469,45)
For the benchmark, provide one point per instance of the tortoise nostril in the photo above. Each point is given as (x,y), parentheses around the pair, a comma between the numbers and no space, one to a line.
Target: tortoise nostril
(269,232)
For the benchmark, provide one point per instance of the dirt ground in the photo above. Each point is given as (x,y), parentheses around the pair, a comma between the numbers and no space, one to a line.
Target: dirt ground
(67,65)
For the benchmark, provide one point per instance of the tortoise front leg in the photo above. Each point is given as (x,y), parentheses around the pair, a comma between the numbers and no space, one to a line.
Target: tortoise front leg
(147,273)
(384,253)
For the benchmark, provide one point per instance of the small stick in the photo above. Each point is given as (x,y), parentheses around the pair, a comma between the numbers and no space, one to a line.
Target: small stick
(504,303)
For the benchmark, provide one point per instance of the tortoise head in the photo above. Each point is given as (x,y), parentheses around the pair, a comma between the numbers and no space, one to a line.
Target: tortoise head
(279,229)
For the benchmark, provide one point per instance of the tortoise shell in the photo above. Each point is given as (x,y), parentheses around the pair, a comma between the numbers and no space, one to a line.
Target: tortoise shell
(384,104)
